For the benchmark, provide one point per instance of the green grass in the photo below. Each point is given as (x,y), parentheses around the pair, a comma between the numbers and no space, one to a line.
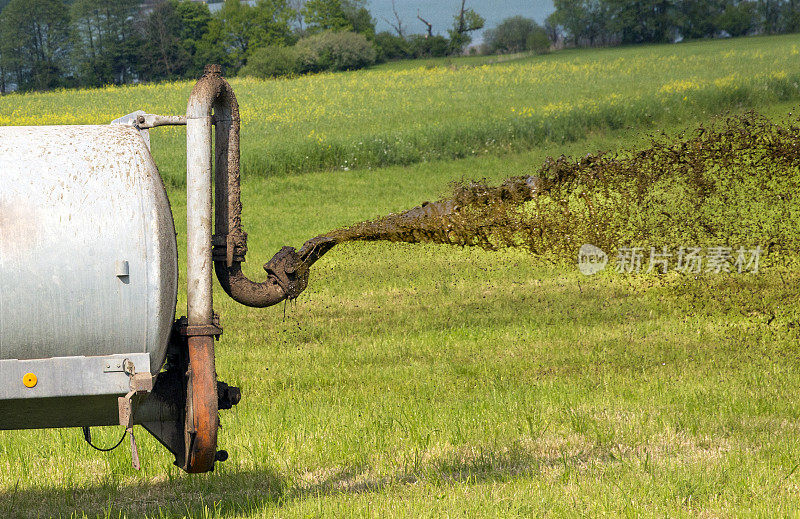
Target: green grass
(375,118)
(430,381)
(422,380)
(453,61)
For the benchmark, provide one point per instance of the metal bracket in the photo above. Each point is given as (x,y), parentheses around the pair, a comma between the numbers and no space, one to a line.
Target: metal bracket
(229,248)
(146,121)
(208,330)
(143,121)
(140,383)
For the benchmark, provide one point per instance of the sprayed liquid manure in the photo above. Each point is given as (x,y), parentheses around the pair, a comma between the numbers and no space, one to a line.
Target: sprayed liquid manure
(476,214)
(732,183)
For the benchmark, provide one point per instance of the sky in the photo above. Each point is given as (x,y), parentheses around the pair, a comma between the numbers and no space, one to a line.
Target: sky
(440,12)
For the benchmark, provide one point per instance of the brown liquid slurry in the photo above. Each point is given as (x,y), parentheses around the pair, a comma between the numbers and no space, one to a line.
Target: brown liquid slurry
(657,195)
(475,215)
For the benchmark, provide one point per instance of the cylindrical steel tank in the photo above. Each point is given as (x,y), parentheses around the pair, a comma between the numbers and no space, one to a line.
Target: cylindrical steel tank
(88,256)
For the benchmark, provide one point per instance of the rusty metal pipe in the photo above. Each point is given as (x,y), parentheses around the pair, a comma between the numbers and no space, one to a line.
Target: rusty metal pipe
(202,419)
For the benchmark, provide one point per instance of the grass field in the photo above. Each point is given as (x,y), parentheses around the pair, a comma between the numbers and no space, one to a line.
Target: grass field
(444,110)
(422,380)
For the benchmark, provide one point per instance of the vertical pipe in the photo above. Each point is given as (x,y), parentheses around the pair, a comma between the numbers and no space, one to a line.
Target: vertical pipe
(198,216)
(201,417)
(222,126)
(203,410)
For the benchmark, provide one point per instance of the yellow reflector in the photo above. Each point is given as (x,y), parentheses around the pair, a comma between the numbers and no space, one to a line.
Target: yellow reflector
(29,380)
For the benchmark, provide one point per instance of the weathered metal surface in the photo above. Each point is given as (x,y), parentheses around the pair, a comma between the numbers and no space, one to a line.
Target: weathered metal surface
(198,217)
(202,413)
(202,420)
(84,411)
(68,376)
(88,270)
(213,94)
(169,396)
(144,121)
(80,206)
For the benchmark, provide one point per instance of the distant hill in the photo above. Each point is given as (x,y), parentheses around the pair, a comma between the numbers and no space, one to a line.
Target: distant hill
(440,12)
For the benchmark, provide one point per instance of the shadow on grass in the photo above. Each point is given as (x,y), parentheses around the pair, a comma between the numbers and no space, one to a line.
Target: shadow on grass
(237,492)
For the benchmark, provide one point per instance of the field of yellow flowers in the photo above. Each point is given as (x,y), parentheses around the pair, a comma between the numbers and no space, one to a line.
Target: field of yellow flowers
(393,115)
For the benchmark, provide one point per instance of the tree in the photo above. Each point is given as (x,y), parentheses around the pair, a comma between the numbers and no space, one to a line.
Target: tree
(3,74)
(338,15)
(604,22)
(105,43)
(297,9)
(210,49)
(195,22)
(272,61)
(511,35)
(326,15)
(466,21)
(698,18)
(428,46)
(738,19)
(428,26)
(359,17)
(397,25)
(575,17)
(389,46)
(553,29)
(332,50)
(644,21)
(242,28)
(770,11)
(163,54)
(538,41)
(35,42)
(792,16)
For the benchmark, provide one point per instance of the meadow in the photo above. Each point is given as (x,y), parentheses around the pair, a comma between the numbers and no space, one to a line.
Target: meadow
(433,381)
(401,114)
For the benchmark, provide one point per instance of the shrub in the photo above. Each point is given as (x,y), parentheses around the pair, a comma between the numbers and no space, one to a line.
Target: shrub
(431,47)
(272,61)
(389,46)
(335,51)
(538,41)
(516,34)
(738,20)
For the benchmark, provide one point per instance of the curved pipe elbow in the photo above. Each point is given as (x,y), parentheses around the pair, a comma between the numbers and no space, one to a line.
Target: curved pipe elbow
(287,278)
(247,292)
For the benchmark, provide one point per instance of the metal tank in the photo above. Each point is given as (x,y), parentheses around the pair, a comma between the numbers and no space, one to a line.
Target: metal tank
(88,271)
(89,274)
(88,257)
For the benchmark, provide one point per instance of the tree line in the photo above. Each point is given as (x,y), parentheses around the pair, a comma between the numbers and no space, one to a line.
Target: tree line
(46,44)
(612,22)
